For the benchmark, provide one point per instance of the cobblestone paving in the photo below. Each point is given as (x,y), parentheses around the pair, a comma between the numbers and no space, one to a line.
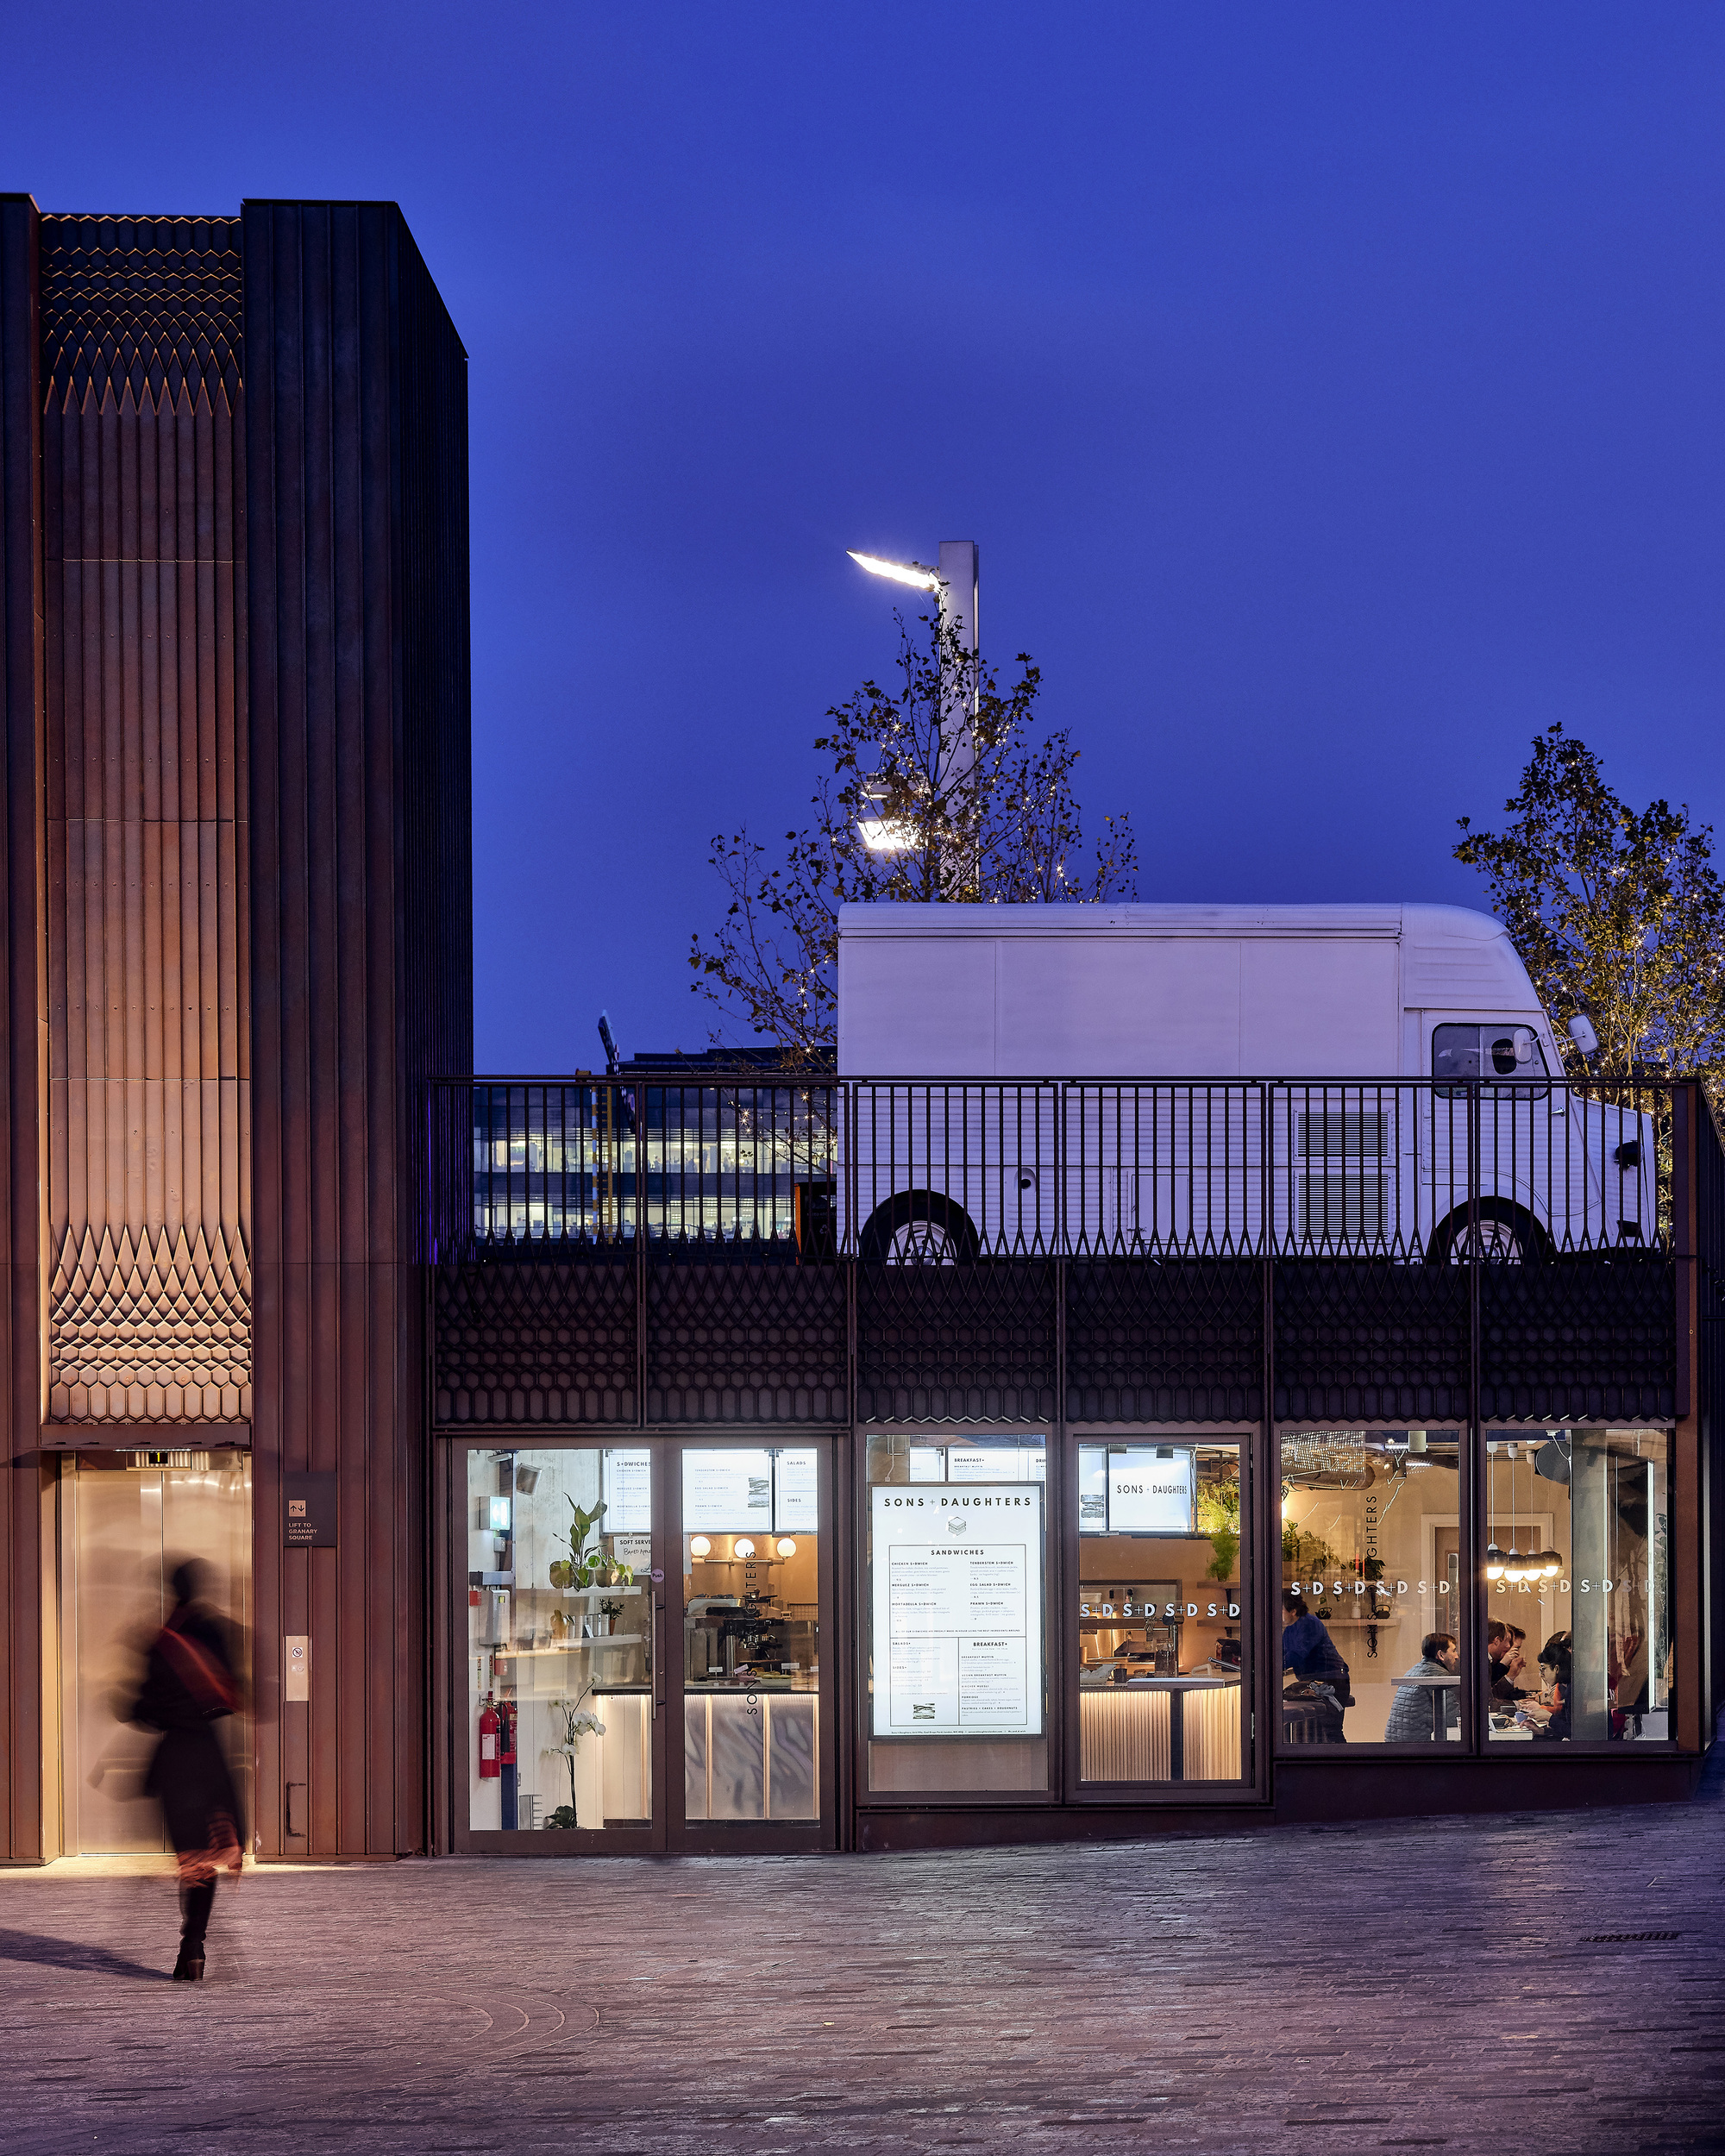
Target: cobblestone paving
(1411,1985)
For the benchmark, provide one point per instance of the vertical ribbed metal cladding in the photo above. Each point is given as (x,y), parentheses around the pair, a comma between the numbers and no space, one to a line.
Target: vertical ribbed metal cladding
(356,431)
(143,540)
(21,1827)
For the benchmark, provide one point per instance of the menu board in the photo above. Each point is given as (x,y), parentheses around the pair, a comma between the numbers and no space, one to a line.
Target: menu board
(957,1609)
(928,1463)
(994,1463)
(627,1489)
(728,1492)
(796,1500)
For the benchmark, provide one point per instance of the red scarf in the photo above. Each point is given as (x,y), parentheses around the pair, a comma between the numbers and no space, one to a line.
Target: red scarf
(212,1688)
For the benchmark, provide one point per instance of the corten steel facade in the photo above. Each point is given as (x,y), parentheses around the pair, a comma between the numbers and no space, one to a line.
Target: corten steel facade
(233,526)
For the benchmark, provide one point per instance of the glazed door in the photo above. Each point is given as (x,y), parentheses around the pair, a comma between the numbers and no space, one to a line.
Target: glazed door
(562,1724)
(748,1627)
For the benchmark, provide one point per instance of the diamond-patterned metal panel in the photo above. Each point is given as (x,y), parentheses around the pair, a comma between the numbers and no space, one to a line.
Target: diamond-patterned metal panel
(1147,1342)
(1590,1337)
(1364,1340)
(971,1343)
(150,1326)
(524,1342)
(759,1342)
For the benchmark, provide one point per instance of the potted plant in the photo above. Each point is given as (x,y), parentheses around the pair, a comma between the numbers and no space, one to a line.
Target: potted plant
(609,1613)
(586,1564)
(576,1721)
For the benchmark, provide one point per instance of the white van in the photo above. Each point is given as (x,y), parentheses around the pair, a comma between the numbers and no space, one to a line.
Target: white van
(1172,1078)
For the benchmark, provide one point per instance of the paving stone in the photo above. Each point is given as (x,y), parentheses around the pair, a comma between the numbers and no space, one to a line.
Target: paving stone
(1461,1984)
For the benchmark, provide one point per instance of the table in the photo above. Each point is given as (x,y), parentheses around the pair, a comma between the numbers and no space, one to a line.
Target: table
(1177,1688)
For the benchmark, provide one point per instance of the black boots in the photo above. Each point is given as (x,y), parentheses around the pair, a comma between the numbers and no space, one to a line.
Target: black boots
(195,1905)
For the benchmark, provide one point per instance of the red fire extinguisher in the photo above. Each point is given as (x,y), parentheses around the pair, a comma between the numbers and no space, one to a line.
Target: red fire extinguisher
(489,1765)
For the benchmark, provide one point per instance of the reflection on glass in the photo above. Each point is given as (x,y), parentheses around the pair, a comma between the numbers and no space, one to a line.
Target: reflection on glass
(751,1634)
(560,1715)
(1160,1609)
(1578,1586)
(1372,1629)
(957,1550)
(129,1525)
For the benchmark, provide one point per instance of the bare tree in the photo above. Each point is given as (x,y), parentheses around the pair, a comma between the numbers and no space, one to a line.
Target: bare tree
(942,789)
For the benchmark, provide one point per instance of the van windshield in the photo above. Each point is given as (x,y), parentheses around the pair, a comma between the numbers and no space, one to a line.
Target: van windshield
(1502,1055)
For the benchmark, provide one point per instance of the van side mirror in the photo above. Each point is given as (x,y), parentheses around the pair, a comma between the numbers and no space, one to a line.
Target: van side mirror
(1582,1033)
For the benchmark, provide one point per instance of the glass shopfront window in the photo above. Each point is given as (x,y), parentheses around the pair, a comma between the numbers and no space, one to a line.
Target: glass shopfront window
(956,1689)
(560,1637)
(1578,1644)
(751,1634)
(1161,1612)
(1374,1587)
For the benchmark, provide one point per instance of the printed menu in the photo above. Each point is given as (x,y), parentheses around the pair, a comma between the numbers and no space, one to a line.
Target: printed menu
(957,1609)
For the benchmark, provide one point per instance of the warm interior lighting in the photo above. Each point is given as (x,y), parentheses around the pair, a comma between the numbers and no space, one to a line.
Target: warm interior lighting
(1494,1562)
(910,572)
(785,1546)
(743,1547)
(700,1546)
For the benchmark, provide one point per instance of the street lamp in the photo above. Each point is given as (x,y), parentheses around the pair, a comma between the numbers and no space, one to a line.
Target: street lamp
(956,581)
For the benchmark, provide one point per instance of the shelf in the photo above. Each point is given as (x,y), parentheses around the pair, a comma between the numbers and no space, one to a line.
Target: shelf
(569,1646)
(588,1593)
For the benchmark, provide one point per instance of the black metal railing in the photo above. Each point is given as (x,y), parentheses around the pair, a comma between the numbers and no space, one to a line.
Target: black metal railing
(944,1170)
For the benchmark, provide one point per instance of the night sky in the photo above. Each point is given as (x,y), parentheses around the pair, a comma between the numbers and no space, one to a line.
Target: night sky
(1336,395)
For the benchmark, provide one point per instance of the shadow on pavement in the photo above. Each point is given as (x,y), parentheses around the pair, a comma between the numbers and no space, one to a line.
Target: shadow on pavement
(66,1953)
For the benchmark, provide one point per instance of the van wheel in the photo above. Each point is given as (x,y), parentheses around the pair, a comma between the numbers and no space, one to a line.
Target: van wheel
(919,1227)
(1501,1234)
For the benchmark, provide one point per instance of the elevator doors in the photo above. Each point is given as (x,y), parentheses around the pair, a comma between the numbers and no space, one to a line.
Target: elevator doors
(124,1528)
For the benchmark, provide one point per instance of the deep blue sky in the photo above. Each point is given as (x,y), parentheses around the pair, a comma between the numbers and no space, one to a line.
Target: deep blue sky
(1336,395)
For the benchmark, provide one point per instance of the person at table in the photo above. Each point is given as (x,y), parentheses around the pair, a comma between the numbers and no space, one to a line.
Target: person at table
(1416,1717)
(1503,1645)
(1554,1667)
(1310,1654)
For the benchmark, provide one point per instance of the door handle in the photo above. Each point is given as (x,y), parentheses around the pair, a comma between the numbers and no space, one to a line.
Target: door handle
(658,1666)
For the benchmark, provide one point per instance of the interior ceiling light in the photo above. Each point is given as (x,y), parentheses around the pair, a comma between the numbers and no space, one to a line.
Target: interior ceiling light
(744,1546)
(700,1546)
(785,1546)
(910,572)
(1494,1562)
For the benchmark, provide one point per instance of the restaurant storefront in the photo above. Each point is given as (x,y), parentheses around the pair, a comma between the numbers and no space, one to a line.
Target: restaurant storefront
(919,1634)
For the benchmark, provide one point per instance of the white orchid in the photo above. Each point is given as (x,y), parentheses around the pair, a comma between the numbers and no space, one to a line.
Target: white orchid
(578,1721)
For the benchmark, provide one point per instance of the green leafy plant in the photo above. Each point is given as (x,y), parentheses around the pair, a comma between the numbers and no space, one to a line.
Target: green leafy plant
(1219,1508)
(1306,1552)
(1618,914)
(587,1564)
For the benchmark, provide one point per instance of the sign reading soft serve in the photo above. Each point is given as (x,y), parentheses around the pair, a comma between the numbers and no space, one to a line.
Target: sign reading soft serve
(957,1609)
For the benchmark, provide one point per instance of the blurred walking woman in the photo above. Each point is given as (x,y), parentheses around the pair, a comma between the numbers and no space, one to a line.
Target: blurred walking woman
(190,1686)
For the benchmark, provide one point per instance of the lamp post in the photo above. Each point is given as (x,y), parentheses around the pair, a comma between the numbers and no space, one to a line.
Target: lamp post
(955,583)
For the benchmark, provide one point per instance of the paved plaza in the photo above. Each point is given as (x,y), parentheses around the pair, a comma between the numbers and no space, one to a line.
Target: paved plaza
(1519,1983)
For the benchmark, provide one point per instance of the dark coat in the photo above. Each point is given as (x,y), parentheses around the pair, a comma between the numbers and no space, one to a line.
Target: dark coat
(189,1686)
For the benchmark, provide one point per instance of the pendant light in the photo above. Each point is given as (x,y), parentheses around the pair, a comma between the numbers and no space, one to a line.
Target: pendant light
(1493,1555)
